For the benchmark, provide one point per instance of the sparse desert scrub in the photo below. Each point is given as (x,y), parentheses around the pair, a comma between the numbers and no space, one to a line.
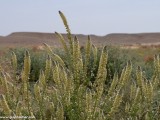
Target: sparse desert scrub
(76,87)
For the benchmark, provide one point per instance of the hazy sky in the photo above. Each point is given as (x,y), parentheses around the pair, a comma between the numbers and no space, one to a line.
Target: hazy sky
(98,17)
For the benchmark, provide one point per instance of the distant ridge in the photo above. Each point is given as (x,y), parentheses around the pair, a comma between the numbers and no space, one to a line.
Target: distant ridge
(36,38)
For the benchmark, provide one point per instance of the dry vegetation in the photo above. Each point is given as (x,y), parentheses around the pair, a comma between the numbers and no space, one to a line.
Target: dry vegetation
(76,87)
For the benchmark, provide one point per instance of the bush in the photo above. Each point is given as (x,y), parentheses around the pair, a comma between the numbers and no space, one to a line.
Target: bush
(38,62)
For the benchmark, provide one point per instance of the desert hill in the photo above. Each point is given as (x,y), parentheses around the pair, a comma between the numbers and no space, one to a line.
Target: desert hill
(141,38)
(35,38)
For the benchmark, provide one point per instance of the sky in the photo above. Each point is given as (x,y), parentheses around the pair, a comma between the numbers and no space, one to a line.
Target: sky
(98,17)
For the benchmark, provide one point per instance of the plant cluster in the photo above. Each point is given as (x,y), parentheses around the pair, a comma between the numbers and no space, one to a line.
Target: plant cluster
(78,88)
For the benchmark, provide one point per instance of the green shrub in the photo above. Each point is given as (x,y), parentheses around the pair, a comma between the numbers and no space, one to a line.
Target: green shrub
(38,62)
